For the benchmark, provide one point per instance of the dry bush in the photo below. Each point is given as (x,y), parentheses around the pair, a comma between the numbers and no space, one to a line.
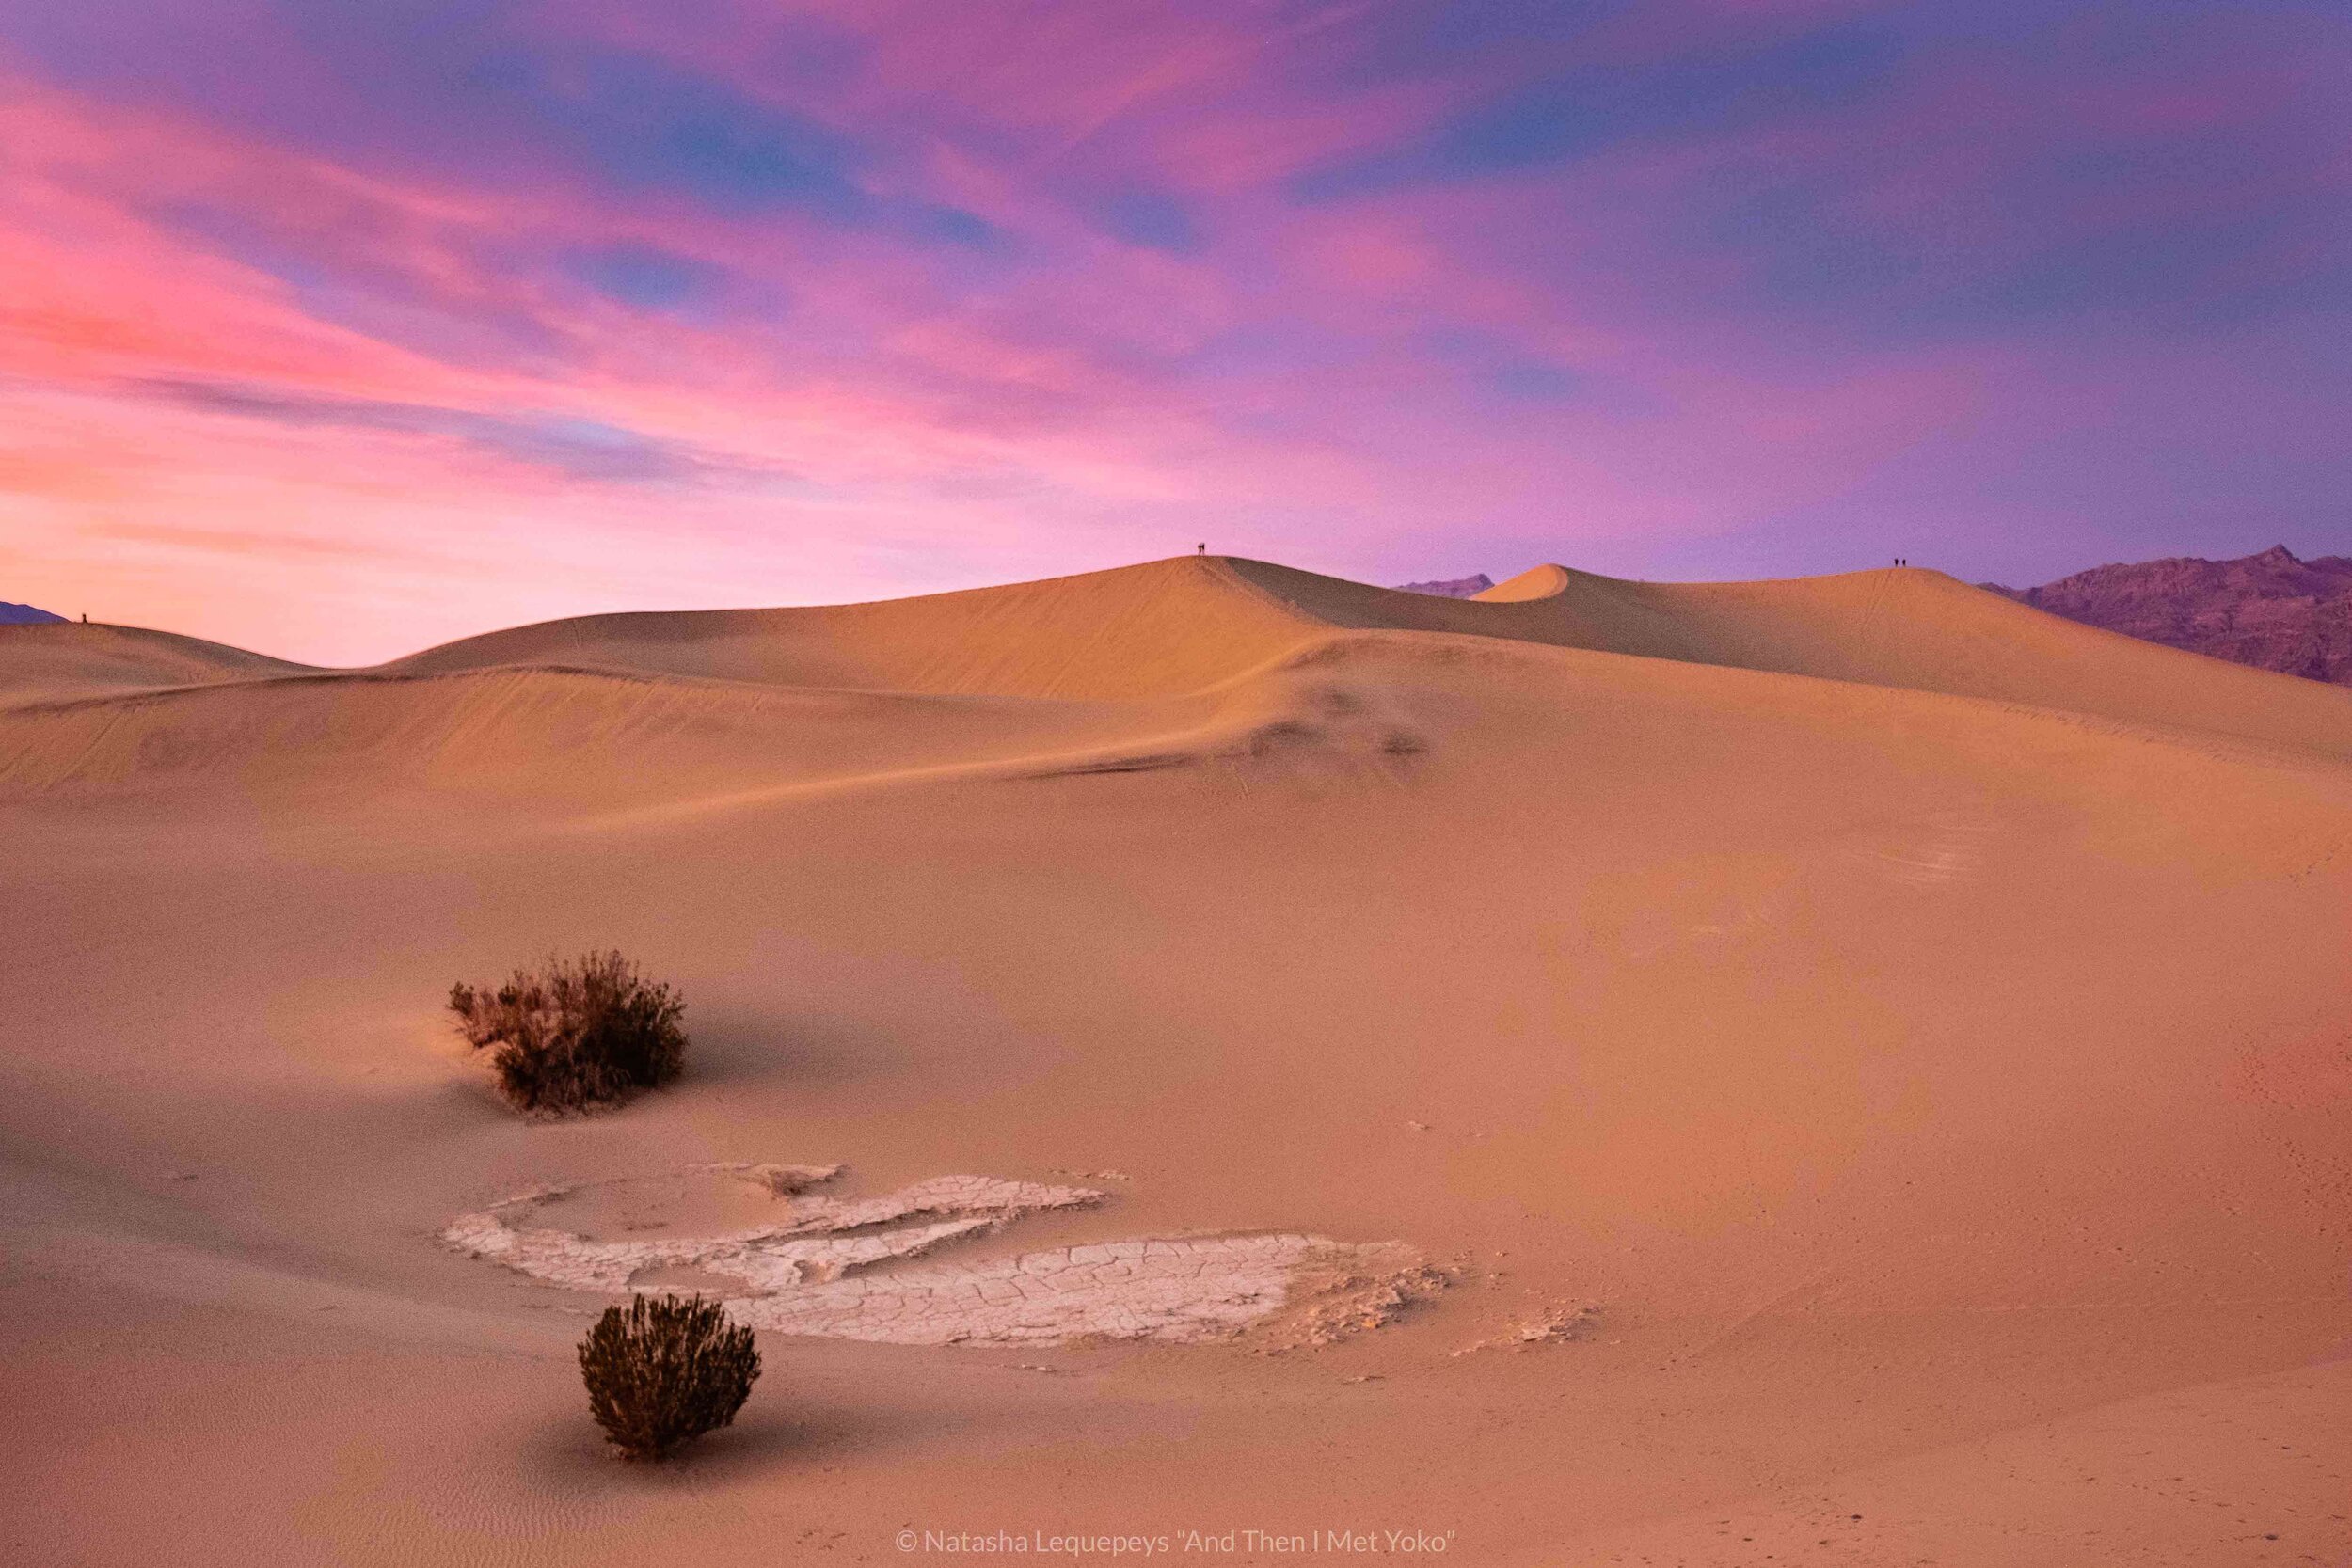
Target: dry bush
(575,1034)
(664,1370)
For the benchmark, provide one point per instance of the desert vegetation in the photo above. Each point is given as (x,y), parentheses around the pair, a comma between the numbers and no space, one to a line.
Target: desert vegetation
(575,1034)
(664,1370)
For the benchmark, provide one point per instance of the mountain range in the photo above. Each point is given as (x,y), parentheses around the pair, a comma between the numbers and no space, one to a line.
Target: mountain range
(2271,611)
(1452,587)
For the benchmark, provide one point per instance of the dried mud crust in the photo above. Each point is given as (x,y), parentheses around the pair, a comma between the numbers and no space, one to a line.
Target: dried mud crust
(1563,1325)
(807,1271)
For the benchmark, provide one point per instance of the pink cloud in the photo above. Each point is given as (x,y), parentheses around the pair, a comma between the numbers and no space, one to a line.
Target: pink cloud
(238,354)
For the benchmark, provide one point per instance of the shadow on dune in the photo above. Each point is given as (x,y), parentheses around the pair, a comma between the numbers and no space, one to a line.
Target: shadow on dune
(780,1432)
(734,1050)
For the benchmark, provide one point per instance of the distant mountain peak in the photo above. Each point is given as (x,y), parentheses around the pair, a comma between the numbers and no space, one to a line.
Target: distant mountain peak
(1454,588)
(25,615)
(2273,610)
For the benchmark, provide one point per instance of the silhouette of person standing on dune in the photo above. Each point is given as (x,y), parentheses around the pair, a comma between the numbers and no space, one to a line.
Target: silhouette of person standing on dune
(1201,549)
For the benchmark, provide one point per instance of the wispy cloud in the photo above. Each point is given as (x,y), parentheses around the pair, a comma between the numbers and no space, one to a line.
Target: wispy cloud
(834,298)
(576,447)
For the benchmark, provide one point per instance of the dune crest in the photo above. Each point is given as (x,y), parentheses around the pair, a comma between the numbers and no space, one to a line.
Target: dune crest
(1536,582)
(62,660)
(1164,628)
(1109,668)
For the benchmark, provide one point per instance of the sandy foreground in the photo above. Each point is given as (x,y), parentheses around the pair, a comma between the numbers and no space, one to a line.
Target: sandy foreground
(1849,1071)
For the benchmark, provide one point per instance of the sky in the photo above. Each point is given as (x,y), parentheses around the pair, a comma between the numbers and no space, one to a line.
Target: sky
(338,329)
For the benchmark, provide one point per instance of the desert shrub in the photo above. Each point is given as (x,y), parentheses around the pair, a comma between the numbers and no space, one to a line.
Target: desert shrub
(575,1033)
(665,1369)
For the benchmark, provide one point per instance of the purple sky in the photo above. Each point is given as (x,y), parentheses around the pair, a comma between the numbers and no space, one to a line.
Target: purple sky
(336,327)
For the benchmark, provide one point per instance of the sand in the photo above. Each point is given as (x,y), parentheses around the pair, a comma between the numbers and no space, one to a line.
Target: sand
(1862,1071)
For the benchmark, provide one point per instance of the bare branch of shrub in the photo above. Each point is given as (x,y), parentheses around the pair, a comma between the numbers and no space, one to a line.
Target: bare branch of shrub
(575,1034)
(664,1370)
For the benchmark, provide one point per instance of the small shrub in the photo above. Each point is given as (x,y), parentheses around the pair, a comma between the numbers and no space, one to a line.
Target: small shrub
(575,1034)
(664,1370)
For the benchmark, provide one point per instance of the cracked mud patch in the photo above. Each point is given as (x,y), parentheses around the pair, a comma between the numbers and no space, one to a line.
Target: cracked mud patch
(801,1262)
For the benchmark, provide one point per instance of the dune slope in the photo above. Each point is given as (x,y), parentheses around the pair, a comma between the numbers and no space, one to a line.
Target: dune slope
(1176,626)
(1858,1094)
(64,659)
(1160,630)
(1905,628)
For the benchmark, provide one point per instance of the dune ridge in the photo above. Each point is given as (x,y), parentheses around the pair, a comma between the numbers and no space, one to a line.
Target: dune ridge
(1898,627)
(48,661)
(1169,641)
(1173,626)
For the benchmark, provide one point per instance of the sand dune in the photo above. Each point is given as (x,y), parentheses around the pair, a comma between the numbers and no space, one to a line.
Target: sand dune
(65,660)
(1536,582)
(1839,1046)
(1177,625)
(516,706)
(1161,629)
(1902,627)
(523,733)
